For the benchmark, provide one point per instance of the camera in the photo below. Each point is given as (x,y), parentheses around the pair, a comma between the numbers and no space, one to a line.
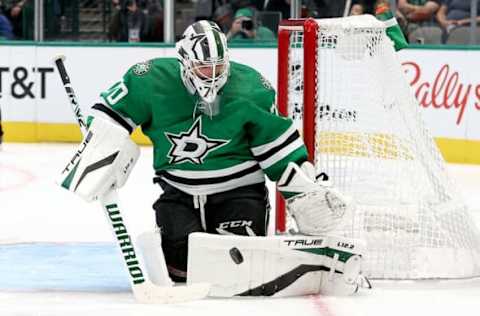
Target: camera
(247,25)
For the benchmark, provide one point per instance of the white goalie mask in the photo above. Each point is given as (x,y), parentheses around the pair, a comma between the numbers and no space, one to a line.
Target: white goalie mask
(203,56)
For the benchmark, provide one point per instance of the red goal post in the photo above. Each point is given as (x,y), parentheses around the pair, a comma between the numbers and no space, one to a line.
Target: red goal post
(310,29)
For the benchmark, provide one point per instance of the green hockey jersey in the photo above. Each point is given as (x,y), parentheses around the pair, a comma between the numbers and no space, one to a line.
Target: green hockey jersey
(201,148)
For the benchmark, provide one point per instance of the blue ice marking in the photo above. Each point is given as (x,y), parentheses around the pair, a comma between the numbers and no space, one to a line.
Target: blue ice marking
(94,267)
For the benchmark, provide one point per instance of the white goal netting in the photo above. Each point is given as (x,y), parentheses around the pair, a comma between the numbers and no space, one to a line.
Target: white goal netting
(371,140)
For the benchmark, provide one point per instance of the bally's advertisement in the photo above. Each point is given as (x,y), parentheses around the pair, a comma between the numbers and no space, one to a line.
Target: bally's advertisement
(35,108)
(446,84)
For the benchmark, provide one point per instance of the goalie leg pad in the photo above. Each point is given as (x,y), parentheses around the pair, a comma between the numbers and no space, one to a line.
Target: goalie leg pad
(104,159)
(150,246)
(345,256)
(276,265)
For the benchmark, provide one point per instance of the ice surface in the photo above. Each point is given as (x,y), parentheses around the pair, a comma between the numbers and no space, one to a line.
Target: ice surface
(57,256)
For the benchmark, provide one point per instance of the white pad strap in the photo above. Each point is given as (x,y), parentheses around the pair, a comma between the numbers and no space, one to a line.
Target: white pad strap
(276,265)
(104,159)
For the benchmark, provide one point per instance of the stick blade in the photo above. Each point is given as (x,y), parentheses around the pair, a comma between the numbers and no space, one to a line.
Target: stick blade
(149,293)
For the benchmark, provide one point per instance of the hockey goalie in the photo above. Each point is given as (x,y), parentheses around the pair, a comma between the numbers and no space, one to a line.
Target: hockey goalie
(216,135)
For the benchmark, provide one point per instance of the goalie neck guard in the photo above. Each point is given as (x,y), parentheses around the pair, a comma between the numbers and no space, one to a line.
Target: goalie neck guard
(204,59)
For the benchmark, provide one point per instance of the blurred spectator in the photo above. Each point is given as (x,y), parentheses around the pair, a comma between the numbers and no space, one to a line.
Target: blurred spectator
(154,31)
(88,3)
(52,20)
(223,16)
(326,8)
(114,25)
(418,11)
(116,5)
(207,9)
(238,4)
(282,6)
(6,29)
(20,14)
(368,5)
(128,24)
(245,27)
(258,4)
(415,15)
(357,9)
(203,9)
(455,13)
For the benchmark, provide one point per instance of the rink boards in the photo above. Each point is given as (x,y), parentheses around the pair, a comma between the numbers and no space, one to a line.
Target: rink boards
(35,107)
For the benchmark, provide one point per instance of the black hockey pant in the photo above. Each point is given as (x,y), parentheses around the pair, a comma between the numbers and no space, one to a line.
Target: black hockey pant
(242,211)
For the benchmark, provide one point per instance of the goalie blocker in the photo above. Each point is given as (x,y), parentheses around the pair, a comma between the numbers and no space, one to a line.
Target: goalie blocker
(103,160)
(277,265)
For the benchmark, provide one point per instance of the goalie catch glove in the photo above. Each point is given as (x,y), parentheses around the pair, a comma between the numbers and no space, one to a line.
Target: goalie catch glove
(316,207)
(103,160)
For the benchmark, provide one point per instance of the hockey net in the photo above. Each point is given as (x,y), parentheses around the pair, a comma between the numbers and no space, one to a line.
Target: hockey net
(341,83)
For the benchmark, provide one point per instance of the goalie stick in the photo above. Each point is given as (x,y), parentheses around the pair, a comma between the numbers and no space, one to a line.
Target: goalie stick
(143,289)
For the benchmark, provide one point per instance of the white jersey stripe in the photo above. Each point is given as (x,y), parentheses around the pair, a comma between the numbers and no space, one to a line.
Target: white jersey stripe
(284,152)
(252,178)
(202,174)
(266,147)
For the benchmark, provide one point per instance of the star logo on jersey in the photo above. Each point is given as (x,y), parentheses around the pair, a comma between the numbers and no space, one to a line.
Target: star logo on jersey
(192,146)
(142,68)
